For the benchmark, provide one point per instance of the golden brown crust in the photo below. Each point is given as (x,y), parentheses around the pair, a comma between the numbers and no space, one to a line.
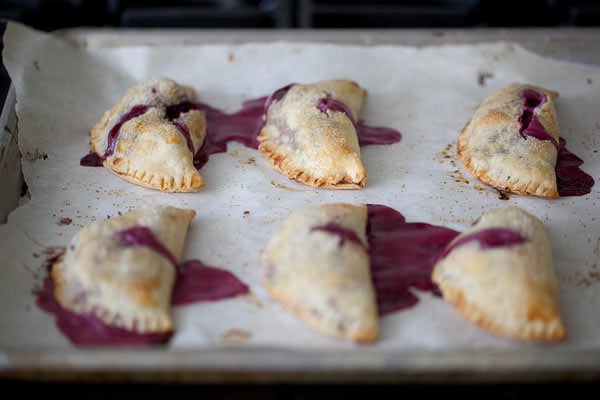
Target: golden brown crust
(127,287)
(508,290)
(492,149)
(151,150)
(313,147)
(321,277)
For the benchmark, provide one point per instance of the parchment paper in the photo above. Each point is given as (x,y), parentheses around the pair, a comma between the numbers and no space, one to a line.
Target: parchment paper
(427,93)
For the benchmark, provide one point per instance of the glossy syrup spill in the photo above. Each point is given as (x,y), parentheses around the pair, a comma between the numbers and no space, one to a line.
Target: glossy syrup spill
(242,126)
(570,179)
(194,282)
(88,330)
(402,256)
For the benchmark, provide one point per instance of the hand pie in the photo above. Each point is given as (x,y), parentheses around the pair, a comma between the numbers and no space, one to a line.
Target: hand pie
(511,142)
(310,134)
(317,265)
(149,137)
(499,274)
(122,269)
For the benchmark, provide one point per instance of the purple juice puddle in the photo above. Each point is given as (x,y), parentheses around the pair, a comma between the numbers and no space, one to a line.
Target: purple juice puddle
(529,123)
(570,179)
(91,160)
(242,126)
(367,135)
(490,238)
(402,256)
(89,330)
(200,282)
(194,282)
(344,234)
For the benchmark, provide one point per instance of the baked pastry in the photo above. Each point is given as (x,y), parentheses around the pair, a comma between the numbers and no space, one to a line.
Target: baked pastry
(499,274)
(122,270)
(511,142)
(310,135)
(317,265)
(149,137)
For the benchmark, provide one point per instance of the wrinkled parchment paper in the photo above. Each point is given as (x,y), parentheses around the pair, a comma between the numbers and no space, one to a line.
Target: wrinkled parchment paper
(427,93)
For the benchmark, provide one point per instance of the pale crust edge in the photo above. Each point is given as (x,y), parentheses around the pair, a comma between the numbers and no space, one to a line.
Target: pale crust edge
(195,182)
(454,296)
(267,148)
(358,336)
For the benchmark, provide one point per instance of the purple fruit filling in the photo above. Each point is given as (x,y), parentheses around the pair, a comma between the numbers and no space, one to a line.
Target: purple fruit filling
(142,236)
(528,120)
(344,234)
(324,104)
(488,239)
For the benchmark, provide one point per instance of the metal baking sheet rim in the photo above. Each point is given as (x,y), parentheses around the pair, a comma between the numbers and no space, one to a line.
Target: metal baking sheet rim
(231,364)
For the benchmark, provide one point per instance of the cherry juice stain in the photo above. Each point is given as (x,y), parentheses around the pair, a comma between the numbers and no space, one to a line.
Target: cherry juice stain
(194,282)
(570,179)
(402,256)
(89,330)
(242,126)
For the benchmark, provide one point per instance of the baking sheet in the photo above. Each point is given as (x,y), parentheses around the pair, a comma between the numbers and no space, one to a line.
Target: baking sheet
(426,93)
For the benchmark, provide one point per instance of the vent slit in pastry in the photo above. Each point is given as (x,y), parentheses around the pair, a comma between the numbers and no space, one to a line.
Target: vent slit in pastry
(327,103)
(529,122)
(344,234)
(488,239)
(142,236)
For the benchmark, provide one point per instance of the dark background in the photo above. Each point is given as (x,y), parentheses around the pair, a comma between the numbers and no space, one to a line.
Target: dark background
(56,14)
(50,15)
